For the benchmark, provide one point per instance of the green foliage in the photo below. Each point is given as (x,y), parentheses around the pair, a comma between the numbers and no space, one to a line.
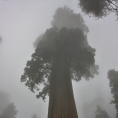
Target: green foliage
(99,113)
(113,82)
(67,38)
(99,8)
(9,112)
(68,43)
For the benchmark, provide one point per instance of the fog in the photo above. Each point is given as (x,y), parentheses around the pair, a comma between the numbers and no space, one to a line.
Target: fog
(21,22)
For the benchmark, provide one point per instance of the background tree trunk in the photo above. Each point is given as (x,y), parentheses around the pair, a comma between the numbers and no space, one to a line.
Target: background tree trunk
(61,99)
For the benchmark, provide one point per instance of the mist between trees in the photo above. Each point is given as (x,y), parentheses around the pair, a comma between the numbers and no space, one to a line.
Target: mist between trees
(8,109)
(62,54)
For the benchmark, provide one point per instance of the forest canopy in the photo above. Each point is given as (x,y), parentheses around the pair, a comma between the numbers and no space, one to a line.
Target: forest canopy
(69,43)
(99,8)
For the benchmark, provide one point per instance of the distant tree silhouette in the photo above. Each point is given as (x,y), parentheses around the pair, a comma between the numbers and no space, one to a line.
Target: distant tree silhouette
(9,112)
(113,82)
(34,116)
(0,39)
(99,113)
(99,8)
(62,54)
(4,100)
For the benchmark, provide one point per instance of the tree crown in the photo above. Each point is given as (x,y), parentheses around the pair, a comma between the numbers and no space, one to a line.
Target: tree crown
(68,43)
(99,8)
(65,17)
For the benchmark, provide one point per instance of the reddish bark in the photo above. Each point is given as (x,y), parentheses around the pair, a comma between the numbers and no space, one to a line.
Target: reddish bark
(61,100)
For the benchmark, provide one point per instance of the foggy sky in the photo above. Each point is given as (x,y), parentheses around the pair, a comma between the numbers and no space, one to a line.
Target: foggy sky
(21,22)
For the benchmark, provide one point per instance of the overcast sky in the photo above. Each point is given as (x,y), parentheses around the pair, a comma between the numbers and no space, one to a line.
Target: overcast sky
(21,22)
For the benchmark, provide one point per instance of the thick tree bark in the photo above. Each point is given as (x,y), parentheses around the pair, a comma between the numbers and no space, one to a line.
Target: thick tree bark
(61,99)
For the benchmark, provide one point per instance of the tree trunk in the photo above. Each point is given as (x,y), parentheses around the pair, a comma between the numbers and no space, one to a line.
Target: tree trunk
(61,99)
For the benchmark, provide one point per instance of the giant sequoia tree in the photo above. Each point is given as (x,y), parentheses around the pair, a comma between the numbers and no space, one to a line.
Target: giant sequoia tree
(99,8)
(113,82)
(62,54)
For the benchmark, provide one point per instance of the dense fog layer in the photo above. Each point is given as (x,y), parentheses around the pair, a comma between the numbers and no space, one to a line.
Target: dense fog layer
(21,22)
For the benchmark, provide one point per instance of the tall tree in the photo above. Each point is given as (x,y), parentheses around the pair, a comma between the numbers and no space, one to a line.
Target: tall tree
(99,113)
(9,112)
(113,82)
(99,8)
(62,54)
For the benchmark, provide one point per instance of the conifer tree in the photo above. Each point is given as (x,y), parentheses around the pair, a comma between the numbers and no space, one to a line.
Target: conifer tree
(99,8)
(113,82)
(62,54)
